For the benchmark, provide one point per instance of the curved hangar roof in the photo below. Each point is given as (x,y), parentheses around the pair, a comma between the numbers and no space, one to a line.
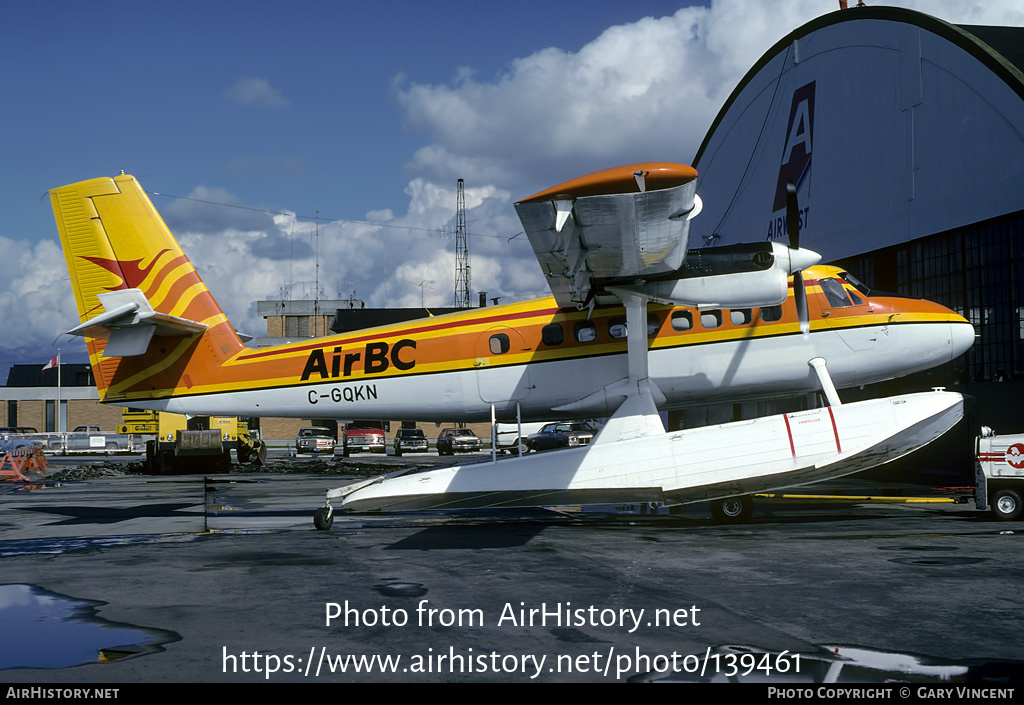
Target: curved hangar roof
(893,124)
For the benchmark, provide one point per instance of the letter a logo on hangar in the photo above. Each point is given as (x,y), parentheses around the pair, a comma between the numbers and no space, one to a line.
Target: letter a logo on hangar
(796,155)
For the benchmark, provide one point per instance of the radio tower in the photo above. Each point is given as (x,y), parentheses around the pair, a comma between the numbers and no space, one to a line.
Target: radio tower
(461,252)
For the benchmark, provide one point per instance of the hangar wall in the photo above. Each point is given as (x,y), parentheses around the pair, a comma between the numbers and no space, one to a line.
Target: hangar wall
(893,124)
(905,137)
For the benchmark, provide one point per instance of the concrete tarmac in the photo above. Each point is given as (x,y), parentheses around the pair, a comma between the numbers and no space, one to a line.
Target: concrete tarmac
(228,581)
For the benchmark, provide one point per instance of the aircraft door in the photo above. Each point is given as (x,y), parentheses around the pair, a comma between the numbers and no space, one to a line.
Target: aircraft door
(842,302)
(500,364)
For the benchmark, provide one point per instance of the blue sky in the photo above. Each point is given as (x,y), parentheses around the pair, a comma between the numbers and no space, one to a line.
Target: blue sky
(285,105)
(367,111)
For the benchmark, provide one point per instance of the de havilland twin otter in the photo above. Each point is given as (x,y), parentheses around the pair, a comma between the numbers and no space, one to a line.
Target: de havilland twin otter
(637,323)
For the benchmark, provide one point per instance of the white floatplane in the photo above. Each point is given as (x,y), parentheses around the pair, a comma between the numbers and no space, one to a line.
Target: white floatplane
(637,323)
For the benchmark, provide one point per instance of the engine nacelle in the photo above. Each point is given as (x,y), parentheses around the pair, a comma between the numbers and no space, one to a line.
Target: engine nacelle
(747,290)
(739,276)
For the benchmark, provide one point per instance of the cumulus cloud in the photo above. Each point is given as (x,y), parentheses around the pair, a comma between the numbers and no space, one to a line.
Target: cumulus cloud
(638,92)
(642,91)
(255,92)
(246,256)
(36,303)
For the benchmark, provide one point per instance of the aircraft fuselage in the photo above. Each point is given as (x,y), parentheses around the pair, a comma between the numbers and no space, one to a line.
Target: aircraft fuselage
(554,362)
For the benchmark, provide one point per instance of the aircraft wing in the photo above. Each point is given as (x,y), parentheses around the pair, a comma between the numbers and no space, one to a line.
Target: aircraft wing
(613,226)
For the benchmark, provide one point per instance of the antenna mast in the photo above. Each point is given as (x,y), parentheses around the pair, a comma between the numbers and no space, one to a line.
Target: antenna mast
(316,284)
(461,252)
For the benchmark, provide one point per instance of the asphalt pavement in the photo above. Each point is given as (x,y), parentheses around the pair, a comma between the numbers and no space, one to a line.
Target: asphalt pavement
(223,578)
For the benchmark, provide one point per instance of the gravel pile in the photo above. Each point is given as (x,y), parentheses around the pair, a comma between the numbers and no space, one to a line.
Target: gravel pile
(346,467)
(91,472)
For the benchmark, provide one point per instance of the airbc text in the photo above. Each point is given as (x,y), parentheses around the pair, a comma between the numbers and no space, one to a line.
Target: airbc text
(375,358)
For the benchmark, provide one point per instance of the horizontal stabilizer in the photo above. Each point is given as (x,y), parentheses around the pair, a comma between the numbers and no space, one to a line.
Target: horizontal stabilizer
(129,323)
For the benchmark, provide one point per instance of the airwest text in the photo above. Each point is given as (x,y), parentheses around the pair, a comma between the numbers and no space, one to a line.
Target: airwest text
(777,228)
(374,358)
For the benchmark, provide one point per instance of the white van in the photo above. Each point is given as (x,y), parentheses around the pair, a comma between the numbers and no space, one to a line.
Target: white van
(509,436)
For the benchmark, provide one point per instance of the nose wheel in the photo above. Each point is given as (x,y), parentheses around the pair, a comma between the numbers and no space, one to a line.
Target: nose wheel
(323,518)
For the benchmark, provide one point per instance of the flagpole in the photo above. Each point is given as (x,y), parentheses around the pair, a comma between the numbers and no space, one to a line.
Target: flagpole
(59,429)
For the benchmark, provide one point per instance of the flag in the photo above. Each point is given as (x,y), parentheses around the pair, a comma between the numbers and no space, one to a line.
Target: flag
(51,364)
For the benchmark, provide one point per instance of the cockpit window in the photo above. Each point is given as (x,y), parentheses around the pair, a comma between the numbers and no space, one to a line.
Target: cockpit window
(834,292)
(856,283)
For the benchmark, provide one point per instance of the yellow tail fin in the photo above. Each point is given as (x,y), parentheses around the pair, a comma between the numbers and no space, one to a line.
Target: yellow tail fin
(132,282)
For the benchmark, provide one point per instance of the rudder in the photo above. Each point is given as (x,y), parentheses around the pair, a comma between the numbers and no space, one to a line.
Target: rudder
(114,240)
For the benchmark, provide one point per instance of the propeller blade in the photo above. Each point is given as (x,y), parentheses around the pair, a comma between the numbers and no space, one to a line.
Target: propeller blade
(792,216)
(793,230)
(800,298)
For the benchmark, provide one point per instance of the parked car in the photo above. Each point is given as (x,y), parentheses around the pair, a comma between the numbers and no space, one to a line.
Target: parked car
(315,439)
(410,440)
(457,440)
(561,435)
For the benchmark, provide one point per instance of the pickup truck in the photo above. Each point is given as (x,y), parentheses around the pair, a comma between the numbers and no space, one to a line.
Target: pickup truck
(87,439)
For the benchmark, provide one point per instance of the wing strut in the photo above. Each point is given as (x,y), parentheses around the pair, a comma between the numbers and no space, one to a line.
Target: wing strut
(825,379)
(638,415)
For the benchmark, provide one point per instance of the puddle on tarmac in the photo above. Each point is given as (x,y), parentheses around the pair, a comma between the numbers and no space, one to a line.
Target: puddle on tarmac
(58,545)
(829,664)
(43,629)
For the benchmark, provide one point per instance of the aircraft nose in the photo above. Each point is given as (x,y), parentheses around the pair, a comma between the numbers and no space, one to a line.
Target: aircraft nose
(961,338)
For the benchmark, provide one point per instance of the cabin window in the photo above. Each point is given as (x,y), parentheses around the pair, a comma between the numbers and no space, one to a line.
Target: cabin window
(551,334)
(740,316)
(771,314)
(834,292)
(711,318)
(585,331)
(857,301)
(617,328)
(682,320)
(653,325)
(499,344)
